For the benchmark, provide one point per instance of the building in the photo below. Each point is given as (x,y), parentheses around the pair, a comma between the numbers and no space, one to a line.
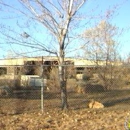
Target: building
(13,66)
(21,69)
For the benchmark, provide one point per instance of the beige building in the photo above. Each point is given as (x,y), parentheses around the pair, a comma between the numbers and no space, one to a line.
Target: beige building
(30,68)
(21,61)
(8,65)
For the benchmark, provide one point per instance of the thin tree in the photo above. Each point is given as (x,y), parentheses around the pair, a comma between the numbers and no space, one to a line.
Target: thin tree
(103,48)
(57,16)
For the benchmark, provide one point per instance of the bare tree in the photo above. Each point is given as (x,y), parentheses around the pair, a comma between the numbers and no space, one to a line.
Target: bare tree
(57,16)
(103,48)
(103,44)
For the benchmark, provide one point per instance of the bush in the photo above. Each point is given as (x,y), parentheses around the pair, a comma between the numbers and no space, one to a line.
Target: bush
(5,91)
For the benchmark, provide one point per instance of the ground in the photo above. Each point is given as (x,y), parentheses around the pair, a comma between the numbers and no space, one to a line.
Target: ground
(82,119)
(22,112)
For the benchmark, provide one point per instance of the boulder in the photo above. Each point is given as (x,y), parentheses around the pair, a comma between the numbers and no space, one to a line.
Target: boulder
(95,104)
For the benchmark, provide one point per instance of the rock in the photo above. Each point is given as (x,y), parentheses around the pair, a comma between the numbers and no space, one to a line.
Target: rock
(95,104)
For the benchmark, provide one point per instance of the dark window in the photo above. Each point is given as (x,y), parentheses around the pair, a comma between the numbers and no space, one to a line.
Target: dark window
(3,70)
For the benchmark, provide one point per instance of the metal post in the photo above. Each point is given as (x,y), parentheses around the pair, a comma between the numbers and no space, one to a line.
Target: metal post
(42,90)
(42,96)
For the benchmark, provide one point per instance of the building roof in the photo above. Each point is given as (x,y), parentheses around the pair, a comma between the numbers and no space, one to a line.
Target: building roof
(77,62)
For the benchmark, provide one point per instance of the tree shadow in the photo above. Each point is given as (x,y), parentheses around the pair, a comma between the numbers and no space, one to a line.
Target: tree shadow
(109,98)
(116,102)
(116,97)
(31,95)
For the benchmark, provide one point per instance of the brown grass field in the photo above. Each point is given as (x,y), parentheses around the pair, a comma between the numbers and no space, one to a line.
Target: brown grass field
(22,111)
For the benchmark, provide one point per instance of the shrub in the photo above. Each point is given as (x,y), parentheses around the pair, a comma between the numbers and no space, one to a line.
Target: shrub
(5,91)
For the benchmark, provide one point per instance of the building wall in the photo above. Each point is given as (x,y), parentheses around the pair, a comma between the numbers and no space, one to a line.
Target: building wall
(22,61)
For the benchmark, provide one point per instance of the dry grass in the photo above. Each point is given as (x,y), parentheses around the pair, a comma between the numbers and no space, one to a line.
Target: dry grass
(29,100)
(22,111)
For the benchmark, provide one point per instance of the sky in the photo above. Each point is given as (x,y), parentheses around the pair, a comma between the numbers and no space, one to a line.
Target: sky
(121,19)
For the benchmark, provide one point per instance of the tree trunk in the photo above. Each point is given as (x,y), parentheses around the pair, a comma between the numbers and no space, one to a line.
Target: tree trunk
(64,103)
(62,79)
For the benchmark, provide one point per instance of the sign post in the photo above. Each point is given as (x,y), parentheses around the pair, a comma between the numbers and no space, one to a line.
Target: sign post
(42,95)
(42,90)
